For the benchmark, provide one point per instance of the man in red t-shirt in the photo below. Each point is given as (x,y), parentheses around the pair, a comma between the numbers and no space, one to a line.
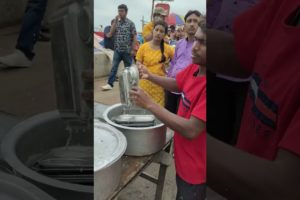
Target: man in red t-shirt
(189,123)
(266,162)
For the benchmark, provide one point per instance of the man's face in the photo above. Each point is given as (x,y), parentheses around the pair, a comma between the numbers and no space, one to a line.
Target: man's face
(122,13)
(199,48)
(180,33)
(191,24)
(158,17)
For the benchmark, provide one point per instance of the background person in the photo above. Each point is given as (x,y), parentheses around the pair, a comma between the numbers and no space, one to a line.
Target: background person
(124,33)
(190,122)
(159,14)
(155,55)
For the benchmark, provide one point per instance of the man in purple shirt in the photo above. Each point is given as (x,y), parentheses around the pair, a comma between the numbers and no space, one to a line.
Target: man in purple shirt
(182,57)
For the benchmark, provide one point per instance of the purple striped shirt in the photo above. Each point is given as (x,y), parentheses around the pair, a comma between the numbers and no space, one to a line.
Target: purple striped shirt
(182,57)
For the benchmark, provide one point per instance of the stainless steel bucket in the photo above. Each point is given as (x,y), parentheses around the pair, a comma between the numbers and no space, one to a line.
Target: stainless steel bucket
(141,141)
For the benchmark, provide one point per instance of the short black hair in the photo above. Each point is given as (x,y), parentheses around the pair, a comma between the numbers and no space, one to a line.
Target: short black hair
(190,12)
(123,6)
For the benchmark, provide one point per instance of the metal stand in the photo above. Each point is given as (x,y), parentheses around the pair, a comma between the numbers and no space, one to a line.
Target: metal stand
(134,167)
(164,158)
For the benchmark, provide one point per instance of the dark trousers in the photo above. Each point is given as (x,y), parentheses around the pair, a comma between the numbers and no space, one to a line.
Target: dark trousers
(117,58)
(172,101)
(186,191)
(225,104)
(31,26)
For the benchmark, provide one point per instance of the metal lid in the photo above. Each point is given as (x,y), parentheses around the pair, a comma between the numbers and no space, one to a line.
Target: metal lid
(109,145)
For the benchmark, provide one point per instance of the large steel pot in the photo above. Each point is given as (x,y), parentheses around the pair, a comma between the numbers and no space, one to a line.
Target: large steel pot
(39,134)
(15,188)
(109,146)
(141,141)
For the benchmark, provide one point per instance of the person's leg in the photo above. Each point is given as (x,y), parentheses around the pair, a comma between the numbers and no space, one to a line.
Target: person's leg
(186,191)
(31,25)
(127,59)
(23,55)
(115,65)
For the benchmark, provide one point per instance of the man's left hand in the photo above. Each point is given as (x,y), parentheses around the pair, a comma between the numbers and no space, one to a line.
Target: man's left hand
(140,98)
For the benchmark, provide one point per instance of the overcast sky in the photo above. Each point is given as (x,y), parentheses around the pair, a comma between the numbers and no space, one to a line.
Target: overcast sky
(106,10)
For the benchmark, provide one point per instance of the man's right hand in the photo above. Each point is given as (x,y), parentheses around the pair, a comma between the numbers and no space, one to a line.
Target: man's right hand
(140,98)
(117,18)
(143,71)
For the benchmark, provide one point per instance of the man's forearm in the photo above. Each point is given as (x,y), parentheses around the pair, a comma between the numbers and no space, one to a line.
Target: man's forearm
(221,56)
(188,128)
(112,30)
(167,83)
(239,175)
(134,42)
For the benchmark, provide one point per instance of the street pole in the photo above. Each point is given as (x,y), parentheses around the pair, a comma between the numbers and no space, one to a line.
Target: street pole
(152,10)
(143,21)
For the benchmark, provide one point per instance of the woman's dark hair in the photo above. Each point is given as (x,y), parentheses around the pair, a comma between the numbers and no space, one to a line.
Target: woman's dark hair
(162,42)
(190,12)
(123,6)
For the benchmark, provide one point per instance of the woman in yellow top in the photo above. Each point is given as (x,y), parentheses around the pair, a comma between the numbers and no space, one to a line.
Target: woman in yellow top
(155,55)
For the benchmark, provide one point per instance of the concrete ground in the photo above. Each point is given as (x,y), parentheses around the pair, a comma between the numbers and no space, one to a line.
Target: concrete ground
(26,91)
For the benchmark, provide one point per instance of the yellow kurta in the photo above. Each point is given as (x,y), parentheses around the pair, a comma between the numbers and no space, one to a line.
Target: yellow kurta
(151,58)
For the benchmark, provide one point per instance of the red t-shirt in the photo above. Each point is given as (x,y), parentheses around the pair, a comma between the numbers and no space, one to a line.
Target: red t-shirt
(269,46)
(190,155)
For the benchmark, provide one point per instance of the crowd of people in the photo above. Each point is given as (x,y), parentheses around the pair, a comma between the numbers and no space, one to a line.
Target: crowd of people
(252,104)
(172,66)
(251,90)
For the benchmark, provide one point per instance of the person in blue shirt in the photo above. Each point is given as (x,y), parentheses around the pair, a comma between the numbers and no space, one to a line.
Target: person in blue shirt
(108,42)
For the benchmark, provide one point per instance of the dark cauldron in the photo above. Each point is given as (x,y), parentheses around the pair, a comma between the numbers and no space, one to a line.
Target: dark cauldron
(39,134)
(15,188)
